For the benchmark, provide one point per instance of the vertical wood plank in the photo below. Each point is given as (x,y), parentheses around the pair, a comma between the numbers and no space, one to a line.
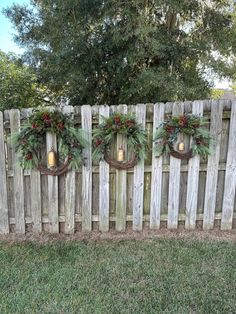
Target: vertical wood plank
(121,183)
(193,178)
(86,121)
(139,177)
(4,219)
(230,175)
(212,165)
(36,204)
(53,213)
(18,193)
(174,180)
(156,185)
(103,183)
(69,191)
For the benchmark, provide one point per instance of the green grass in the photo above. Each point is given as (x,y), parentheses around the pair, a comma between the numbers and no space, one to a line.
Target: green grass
(144,276)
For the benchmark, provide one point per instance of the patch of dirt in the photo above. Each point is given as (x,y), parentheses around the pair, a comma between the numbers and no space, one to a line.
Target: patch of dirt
(212,235)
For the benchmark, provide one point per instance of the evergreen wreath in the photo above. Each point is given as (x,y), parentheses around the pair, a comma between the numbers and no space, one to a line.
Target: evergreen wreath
(167,133)
(126,125)
(30,141)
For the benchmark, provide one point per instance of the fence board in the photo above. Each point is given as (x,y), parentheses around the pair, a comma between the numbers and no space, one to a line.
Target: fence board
(230,175)
(193,179)
(36,204)
(121,183)
(53,209)
(4,219)
(174,180)
(86,121)
(156,185)
(212,165)
(103,183)
(139,177)
(69,207)
(18,194)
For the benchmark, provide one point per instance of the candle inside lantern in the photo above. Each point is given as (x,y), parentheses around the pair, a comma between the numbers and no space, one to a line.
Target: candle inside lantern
(181,147)
(52,161)
(121,154)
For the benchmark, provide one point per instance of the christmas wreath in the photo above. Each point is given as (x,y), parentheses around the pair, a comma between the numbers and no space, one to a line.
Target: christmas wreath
(167,134)
(126,125)
(30,140)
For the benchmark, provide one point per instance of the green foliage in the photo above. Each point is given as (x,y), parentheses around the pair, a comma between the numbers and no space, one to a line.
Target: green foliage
(118,123)
(216,93)
(118,51)
(167,134)
(19,86)
(29,142)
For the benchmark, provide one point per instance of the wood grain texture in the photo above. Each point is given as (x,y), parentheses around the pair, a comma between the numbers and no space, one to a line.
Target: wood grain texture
(4,219)
(174,180)
(212,165)
(36,203)
(86,121)
(230,175)
(18,193)
(69,206)
(53,209)
(103,183)
(156,181)
(139,177)
(121,183)
(193,178)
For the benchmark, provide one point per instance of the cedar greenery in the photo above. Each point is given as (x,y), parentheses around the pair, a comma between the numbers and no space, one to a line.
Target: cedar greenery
(30,141)
(119,123)
(167,133)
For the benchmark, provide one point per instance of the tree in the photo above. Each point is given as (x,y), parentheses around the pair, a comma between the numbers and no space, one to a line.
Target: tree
(18,85)
(118,51)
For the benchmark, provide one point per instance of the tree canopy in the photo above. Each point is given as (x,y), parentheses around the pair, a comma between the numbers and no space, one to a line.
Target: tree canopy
(19,86)
(118,51)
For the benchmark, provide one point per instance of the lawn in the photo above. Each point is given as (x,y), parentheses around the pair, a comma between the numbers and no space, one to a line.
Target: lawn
(121,276)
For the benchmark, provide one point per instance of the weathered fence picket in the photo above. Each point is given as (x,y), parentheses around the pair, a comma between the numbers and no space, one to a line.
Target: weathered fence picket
(230,175)
(86,123)
(193,179)
(139,177)
(18,193)
(4,223)
(212,165)
(53,207)
(69,192)
(174,180)
(103,183)
(156,185)
(121,183)
(161,189)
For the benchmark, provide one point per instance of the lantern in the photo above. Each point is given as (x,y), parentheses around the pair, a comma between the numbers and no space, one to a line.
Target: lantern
(52,158)
(121,154)
(181,146)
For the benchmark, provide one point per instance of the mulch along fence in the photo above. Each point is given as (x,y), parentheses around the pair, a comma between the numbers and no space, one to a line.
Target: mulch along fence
(159,192)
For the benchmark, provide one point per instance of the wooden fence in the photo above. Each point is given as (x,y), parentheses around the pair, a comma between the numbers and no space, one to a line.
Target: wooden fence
(157,193)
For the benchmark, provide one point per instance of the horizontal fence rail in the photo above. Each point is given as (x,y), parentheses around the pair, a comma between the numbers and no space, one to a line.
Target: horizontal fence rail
(160,192)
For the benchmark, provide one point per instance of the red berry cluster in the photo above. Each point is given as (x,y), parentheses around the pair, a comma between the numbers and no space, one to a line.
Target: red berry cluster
(183,121)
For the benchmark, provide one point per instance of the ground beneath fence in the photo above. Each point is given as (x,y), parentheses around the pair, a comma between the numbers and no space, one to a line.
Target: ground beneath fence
(212,235)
